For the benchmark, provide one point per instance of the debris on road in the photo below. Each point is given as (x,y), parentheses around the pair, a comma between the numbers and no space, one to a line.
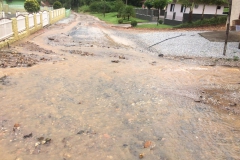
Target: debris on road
(115,61)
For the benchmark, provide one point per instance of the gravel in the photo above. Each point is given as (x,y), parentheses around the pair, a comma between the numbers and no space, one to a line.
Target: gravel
(189,44)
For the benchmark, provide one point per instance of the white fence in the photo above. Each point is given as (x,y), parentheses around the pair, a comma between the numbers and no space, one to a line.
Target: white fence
(31,20)
(21,23)
(45,18)
(5,28)
(38,18)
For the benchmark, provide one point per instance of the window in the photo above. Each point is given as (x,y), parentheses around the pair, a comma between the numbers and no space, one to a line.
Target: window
(172,7)
(183,8)
(196,6)
(218,7)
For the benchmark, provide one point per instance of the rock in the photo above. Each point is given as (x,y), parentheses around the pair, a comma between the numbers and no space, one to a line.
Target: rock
(27,136)
(233,104)
(81,132)
(122,57)
(141,156)
(160,55)
(48,140)
(50,38)
(147,144)
(115,61)
(37,143)
(125,145)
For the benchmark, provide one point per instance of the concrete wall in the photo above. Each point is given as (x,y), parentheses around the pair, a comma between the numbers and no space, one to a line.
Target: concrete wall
(17,36)
(235,11)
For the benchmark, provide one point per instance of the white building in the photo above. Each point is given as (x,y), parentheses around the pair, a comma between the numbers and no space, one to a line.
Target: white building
(179,10)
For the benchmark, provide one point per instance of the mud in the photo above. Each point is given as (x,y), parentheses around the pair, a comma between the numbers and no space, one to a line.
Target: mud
(144,106)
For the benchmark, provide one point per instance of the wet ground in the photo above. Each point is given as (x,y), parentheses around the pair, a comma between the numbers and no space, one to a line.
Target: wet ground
(101,96)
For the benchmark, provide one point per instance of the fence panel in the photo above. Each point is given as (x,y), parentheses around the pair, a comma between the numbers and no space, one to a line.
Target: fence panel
(45,18)
(31,20)
(38,18)
(5,28)
(21,23)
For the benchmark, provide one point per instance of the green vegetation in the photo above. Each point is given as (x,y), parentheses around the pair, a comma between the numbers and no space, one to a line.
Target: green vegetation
(84,8)
(235,58)
(112,18)
(57,5)
(133,23)
(120,21)
(204,22)
(154,26)
(31,6)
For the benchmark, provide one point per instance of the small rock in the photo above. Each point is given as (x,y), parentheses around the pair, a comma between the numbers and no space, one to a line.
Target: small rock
(50,38)
(37,143)
(160,55)
(48,140)
(121,57)
(141,156)
(233,104)
(27,136)
(40,138)
(43,142)
(197,100)
(147,144)
(81,132)
(115,61)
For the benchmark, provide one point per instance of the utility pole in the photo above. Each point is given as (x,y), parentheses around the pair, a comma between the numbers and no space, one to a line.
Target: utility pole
(228,24)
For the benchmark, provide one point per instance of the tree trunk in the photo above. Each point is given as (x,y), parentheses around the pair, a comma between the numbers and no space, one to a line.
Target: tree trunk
(190,13)
(216,13)
(158,16)
(203,12)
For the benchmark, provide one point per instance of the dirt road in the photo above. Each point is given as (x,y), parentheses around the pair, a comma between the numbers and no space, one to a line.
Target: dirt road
(93,94)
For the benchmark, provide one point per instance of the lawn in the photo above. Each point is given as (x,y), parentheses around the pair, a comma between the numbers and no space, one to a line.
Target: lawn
(112,18)
(153,26)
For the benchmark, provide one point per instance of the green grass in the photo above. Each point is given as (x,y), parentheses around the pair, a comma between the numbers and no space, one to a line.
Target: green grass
(153,26)
(226,10)
(112,18)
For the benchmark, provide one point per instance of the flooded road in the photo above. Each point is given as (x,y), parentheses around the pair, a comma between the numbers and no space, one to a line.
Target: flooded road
(103,97)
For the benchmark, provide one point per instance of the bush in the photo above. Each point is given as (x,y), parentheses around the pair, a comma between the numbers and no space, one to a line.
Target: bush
(133,23)
(120,21)
(160,21)
(57,5)
(31,6)
(84,8)
(204,22)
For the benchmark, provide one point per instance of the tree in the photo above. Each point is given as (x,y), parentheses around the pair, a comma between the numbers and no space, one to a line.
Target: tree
(31,6)
(129,11)
(190,4)
(148,4)
(159,4)
(57,5)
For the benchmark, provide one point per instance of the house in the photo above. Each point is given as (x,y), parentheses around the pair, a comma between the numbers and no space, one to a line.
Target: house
(235,14)
(177,13)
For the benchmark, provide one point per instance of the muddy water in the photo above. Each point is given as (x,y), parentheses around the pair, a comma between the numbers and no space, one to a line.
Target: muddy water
(92,108)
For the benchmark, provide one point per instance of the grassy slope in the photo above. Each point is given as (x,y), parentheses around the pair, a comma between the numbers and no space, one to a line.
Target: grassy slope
(153,26)
(112,18)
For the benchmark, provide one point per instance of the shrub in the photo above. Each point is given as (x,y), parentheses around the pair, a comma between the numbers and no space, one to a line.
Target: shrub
(120,21)
(31,6)
(160,21)
(57,5)
(204,22)
(84,8)
(235,58)
(133,23)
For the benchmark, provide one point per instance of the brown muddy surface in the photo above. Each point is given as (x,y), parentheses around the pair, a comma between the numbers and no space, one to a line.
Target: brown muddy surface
(96,97)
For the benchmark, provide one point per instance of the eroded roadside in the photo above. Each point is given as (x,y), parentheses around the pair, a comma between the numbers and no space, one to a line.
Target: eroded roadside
(96,97)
